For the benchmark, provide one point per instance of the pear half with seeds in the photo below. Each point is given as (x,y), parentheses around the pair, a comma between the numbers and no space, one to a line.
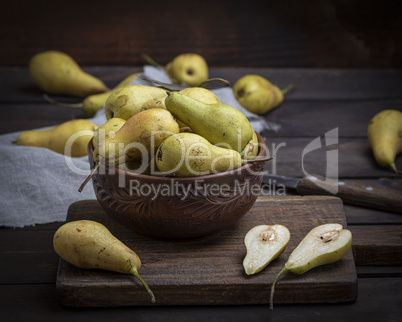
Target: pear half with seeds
(324,244)
(264,243)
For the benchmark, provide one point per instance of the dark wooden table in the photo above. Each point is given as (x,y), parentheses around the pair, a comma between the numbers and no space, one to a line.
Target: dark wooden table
(322,101)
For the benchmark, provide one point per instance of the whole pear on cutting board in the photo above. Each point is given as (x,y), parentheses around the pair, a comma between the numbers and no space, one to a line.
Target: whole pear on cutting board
(385,136)
(324,244)
(57,73)
(88,244)
(70,138)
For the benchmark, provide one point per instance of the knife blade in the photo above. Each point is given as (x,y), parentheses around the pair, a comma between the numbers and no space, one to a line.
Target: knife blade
(350,191)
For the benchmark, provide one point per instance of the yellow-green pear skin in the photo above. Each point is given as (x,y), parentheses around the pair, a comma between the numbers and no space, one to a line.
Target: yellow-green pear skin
(189,154)
(385,137)
(252,148)
(93,103)
(88,244)
(70,138)
(256,94)
(219,123)
(57,73)
(188,68)
(154,103)
(264,243)
(126,101)
(324,244)
(202,94)
(138,138)
(109,128)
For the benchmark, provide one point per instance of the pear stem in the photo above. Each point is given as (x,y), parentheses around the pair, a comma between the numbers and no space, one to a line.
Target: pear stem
(88,178)
(393,167)
(290,86)
(152,62)
(271,298)
(133,271)
(258,160)
(52,101)
(210,80)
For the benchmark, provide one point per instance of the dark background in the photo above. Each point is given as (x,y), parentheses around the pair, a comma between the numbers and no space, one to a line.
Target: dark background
(249,33)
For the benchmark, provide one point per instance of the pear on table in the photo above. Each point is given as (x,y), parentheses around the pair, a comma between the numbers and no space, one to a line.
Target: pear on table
(70,138)
(264,243)
(324,244)
(95,102)
(258,95)
(58,73)
(384,133)
(188,68)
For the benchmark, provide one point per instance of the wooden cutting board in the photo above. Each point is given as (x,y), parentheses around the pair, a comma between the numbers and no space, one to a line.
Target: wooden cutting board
(208,270)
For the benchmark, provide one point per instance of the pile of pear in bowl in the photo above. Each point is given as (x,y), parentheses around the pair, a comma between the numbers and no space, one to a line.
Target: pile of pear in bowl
(175,164)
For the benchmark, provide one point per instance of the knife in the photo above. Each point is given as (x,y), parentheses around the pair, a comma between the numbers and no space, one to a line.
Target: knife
(351,192)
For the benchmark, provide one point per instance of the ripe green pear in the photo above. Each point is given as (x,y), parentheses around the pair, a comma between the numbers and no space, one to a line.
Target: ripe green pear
(88,244)
(70,138)
(136,140)
(251,149)
(154,103)
(219,123)
(324,244)
(93,103)
(201,94)
(385,137)
(57,73)
(256,94)
(189,154)
(127,101)
(109,128)
(188,68)
(264,243)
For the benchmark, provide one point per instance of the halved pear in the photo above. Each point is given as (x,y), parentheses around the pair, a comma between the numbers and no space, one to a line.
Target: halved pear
(264,243)
(324,244)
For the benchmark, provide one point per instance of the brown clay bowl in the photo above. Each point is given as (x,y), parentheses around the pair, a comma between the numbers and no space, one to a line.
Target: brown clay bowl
(185,207)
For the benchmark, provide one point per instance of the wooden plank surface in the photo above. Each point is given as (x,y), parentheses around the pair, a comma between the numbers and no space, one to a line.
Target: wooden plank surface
(261,34)
(378,297)
(29,264)
(208,270)
(345,85)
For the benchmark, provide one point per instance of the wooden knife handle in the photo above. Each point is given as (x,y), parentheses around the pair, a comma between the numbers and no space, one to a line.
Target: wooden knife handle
(353,193)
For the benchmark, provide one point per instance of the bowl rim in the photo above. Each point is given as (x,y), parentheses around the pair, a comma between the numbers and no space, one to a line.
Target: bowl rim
(147,177)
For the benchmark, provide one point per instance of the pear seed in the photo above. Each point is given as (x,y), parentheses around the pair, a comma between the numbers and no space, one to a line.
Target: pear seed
(267,235)
(329,236)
